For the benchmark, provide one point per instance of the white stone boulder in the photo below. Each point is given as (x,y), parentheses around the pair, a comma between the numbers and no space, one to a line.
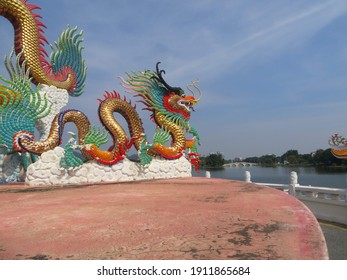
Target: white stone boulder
(47,171)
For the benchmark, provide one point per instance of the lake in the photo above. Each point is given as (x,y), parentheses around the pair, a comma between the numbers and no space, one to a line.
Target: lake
(320,177)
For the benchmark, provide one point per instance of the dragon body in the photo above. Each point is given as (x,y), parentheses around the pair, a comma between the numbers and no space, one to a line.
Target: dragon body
(171,113)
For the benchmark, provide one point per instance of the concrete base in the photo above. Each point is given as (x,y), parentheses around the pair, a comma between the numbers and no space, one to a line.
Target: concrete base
(190,218)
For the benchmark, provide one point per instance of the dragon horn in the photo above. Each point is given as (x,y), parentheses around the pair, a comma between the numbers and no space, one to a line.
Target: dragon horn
(160,78)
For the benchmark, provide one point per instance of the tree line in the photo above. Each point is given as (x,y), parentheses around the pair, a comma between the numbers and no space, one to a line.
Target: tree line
(320,157)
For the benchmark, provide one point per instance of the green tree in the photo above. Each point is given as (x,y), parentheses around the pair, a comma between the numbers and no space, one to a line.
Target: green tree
(268,160)
(214,160)
(306,159)
(252,159)
(325,157)
(291,157)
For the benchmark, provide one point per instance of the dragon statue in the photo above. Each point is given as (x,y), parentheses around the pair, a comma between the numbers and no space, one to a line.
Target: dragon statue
(21,106)
(170,109)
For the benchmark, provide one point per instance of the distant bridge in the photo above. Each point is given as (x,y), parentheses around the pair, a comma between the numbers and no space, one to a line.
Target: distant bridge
(240,164)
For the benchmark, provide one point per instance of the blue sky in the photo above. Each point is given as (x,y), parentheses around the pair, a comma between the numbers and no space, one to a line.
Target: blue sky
(273,73)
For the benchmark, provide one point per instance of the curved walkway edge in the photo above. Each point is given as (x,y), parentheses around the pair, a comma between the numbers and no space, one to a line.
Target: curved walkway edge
(336,239)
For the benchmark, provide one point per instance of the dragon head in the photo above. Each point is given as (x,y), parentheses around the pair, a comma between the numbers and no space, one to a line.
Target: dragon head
(159,97)
(180,104)
(174,98)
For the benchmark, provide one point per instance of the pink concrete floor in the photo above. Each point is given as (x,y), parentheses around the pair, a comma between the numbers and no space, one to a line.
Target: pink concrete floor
(191,218)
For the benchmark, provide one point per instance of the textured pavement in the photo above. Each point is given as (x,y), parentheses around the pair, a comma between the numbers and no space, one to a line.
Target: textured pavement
(190,218)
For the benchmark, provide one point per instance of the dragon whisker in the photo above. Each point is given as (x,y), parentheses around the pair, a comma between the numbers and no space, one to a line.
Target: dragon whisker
(193,84)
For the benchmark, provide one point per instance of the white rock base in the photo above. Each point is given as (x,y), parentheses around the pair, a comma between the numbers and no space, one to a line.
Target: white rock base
(57,98)
(47,171)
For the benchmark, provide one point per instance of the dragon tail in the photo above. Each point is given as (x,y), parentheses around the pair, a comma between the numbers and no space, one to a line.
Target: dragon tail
(67,54)
(67,70)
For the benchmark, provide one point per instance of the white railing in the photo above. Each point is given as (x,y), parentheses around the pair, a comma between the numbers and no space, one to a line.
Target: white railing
(329,204)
